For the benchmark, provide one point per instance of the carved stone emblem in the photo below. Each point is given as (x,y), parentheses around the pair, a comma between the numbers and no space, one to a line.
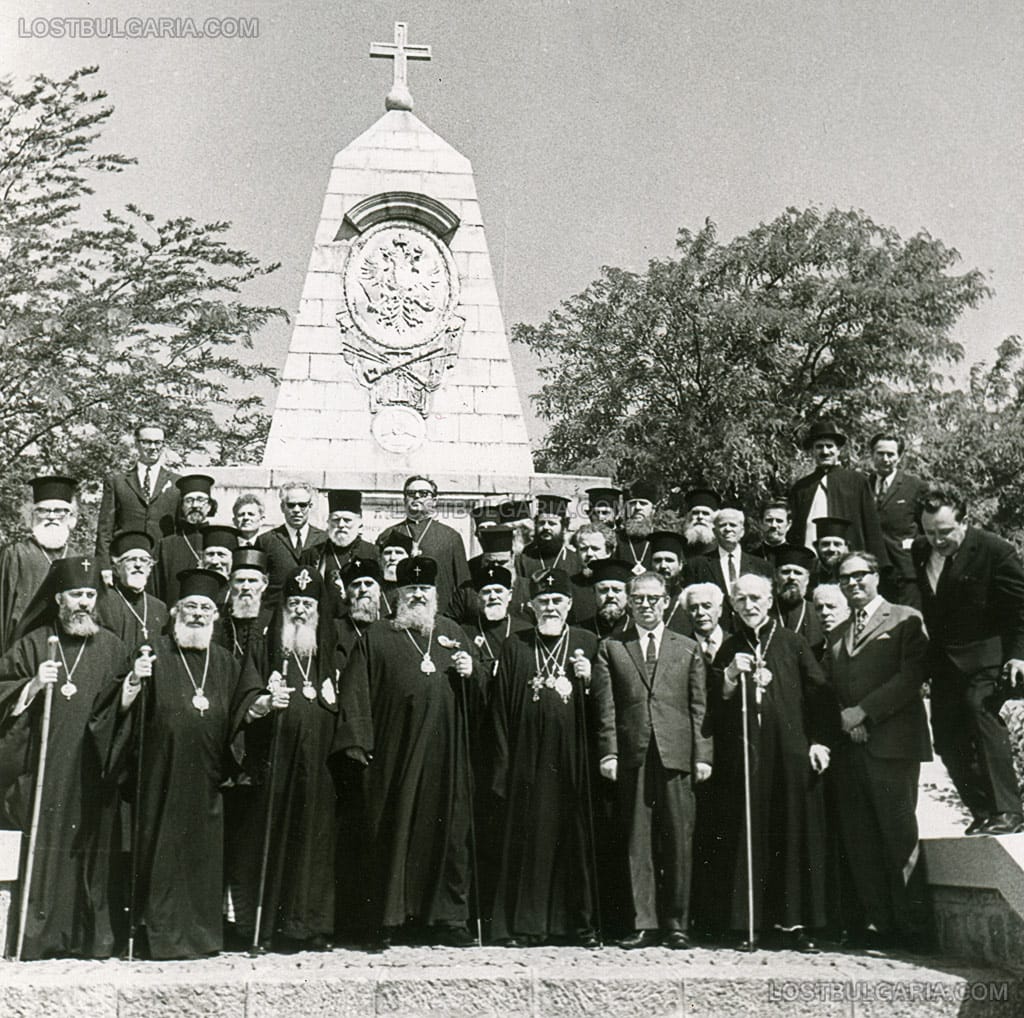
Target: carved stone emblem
(399,329)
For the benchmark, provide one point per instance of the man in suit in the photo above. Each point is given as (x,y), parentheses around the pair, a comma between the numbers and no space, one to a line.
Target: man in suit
(879,662)
(833,490)
(649,690)
(144,497)
(285,544)
(896,493)
(727,561)
(972,593)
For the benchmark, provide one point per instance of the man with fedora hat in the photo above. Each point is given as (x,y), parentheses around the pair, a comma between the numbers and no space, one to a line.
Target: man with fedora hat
(124,607)
(73,898)
(24,564)
(833,490)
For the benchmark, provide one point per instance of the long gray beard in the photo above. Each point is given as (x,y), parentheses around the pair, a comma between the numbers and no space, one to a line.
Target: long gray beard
(298,638)
(364,610)
(51,536)
(638,526)
(418,618)
(550,627)
(80,624)
(189,638)
(134,583)
(698,533)
(494,612)
(610,613)
(244,607)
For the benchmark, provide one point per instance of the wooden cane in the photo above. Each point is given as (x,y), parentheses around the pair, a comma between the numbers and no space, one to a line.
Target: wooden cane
(474,876)
(133,919)
(747,812)
(271,784)
(53,646)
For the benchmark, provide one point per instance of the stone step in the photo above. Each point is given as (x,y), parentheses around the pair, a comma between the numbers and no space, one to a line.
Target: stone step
(536,983)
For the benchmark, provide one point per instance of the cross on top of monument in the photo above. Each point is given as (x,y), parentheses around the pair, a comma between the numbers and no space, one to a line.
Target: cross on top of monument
(401,51)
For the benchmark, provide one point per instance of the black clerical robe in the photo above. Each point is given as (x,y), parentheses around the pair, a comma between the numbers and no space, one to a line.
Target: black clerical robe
(803,619)
(536,558)
(798,709)
(185,758)
(134,617)
(23,567)
(74,900)
(545,882)
(174,554)
(417,788)
(445,546)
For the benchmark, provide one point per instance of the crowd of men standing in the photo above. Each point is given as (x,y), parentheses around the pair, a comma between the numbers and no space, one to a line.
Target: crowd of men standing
(292,737)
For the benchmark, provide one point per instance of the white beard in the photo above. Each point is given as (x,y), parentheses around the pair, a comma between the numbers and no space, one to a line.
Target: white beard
(79,623)
(299,638)
(134,582)
(193,638)
(610,612)
(419,618)
(699,533)
(244,607)
(639,526)
(494,612)
(51,535)
(364,609)
(550,627)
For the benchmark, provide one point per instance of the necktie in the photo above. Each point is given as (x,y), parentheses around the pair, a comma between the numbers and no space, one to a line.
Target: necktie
(732,570)
(298,541)
(650,657)
(147,480)
(861,622)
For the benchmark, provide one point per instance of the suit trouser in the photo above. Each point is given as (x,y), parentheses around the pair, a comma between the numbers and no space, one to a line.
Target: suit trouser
(658,808)
(972,739)
(877,800)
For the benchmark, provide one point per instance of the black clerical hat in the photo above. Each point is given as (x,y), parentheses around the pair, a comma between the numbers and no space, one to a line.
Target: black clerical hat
(702,497)
(53,487)
(303,582)
(192,483)
(610,569)
(552,505)
(74,572)
(130,540)
(831,526)
(361,569)
(642,490)
(219,535)
(603,496)
(417,570)
(484,515)
(495,538)
(550,581)
(396,539)
(345,500)
(489,575)
(791,555)
(823,429)
(200,583)
(666,540)
(250,558)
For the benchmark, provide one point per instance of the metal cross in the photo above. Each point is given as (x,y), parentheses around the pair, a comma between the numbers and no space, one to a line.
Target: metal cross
(401,51)
(303,580)
(416,570)
(85,564)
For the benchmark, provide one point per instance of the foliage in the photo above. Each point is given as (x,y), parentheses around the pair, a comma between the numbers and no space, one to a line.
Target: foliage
(104,326)
(707,367)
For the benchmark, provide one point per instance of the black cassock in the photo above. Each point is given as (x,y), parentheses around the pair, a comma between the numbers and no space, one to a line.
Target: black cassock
(417,788)
(75,877)
(545,883)
(134,618)
(798,709)
(186,757)
(298,902)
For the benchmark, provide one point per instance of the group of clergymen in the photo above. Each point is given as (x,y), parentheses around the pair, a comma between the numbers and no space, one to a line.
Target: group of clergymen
(292,737)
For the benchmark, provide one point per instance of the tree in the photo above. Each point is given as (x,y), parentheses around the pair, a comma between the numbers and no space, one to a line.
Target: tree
(706,368)
(101,327)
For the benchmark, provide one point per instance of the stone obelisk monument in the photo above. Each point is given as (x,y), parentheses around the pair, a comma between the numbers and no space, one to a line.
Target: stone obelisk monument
(399,362)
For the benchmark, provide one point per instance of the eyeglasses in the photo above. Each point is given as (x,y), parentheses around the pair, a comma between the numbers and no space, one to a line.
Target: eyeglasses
(419,493)
(298,505)
(54,514)
(857,577)
(153,442)
(195,500)
(645,598)
(135,560)
(194,608)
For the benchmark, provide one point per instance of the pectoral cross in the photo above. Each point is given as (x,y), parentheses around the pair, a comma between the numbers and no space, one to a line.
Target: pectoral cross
(401,51)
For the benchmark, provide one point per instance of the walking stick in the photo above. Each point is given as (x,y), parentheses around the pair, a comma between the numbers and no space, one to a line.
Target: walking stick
(474,886)
(747,812)
(133,919)
(590,805)
(271,784)
(53,645)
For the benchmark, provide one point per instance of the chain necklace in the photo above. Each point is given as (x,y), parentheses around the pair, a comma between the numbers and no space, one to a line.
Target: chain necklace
(427,666)
(199,700)
(550,667)
(69,689)
(417,546)
(638,562)
(800,621)
(143,618)
(762,674)
(482,641)
(307,686)
(195,554)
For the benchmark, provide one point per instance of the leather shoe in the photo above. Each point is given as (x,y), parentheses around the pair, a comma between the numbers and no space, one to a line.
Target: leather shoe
(798,940)
(588,940)
(975,826)
(455,936)
(1003,823)
(676,940)
(639,939)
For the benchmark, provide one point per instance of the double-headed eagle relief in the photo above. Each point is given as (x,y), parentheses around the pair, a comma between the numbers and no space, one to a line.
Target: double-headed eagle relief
(399,329)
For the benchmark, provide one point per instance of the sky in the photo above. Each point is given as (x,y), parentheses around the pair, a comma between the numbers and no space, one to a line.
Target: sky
(596,128)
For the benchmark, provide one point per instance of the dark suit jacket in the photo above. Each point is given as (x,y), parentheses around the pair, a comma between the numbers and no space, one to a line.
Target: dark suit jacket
(976,617)
(898,517)
(125,507)
(882,672)
(669,708)
(849,496)
(282,557)
(708,569)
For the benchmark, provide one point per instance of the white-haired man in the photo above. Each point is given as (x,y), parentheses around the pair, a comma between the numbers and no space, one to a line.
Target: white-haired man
(124,607)
(284,545)
(24,564)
